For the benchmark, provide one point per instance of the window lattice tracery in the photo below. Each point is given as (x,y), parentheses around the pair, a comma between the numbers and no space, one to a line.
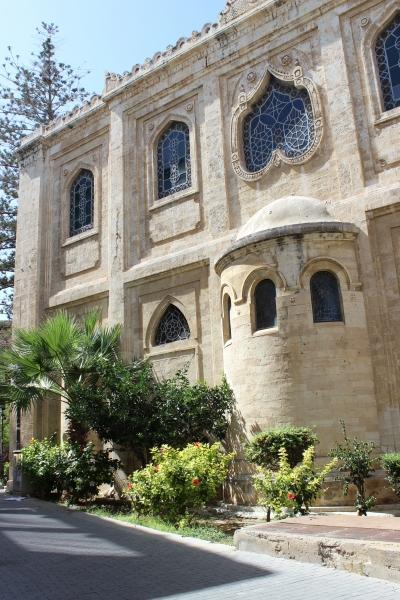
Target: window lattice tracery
(387,50)
(81,203)
(282,119)
(172,327)
(325,297)
(173,160)
(265,304)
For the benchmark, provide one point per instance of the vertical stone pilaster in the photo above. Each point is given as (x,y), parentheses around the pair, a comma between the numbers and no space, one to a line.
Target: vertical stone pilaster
(116,218)
(340,109)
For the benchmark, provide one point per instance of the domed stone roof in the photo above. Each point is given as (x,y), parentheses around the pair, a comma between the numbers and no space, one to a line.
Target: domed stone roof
(289,210)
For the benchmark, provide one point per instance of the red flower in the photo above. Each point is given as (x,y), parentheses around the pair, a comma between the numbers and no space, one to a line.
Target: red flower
(196,481)
(291,496)
(130,486)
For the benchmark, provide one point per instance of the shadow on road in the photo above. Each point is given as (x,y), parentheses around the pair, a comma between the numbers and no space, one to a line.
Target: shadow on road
(47,551)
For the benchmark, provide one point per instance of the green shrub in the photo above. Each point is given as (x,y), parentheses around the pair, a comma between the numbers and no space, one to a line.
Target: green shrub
(178,481)
(85,470)
(391,464)
(356,465)
(291,488)
(42,461)
(265,447)
(4,476)
(70,469)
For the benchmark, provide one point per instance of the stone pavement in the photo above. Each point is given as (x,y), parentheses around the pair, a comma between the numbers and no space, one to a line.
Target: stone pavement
(50,553)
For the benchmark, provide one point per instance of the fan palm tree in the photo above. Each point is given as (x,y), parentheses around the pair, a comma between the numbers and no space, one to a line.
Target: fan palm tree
(48,360)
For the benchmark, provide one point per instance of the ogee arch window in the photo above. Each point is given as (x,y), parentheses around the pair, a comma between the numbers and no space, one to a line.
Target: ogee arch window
(265,304)
(325,297)
(282,119)
(172,327)
(387,50)
(173,160)
(81,203)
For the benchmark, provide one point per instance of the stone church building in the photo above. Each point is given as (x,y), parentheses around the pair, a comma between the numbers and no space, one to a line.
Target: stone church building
(234,203)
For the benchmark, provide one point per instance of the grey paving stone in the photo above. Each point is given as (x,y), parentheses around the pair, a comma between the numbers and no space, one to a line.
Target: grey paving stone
(50,553)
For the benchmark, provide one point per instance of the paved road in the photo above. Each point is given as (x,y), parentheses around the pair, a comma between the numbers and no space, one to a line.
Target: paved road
(50,553)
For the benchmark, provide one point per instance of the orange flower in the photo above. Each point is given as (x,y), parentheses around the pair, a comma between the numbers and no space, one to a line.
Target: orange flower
(291,496)
(196,481)
(129,486)
(197,444)
(157,468)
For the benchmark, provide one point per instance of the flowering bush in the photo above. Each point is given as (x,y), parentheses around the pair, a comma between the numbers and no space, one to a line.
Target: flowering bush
(264,448)
(291,488)
(42,461)
(178,480)
(71,469)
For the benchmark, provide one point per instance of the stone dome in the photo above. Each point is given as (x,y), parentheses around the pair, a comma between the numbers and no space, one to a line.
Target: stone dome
(286,211)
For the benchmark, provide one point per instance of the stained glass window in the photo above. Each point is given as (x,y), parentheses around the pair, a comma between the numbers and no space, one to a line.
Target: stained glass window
(265,304)
(173,160)
(172,327)
(325,297)
(81,203)
(281,119)
(388,58)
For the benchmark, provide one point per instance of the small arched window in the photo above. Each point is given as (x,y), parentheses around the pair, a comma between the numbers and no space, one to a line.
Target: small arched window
(172,327)
(325,297)
(265,304)
(81,203)
(387,51)
(173,160)
(227,318)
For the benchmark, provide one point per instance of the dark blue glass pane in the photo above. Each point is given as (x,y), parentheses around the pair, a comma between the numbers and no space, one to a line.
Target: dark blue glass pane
(173,160)
(283,119)
(387,50)
(325,297)
(81,203)
(265,304)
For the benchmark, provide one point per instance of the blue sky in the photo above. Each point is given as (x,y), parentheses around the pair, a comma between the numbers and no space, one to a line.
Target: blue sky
(104,35)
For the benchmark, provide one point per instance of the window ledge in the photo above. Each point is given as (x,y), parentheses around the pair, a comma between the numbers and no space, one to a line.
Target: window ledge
(388,115)
(329,323)
(228,343)
(73,239)
(173,198)
(269,331)
(172,347)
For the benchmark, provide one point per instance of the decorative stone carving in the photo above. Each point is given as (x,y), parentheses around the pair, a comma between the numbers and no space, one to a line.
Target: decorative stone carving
(235,8)
(244,106)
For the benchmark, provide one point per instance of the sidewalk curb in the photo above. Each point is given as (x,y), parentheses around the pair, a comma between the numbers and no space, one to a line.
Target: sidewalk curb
(372,558)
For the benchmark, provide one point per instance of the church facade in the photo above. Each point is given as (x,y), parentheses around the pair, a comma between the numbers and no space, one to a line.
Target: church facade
(234,203)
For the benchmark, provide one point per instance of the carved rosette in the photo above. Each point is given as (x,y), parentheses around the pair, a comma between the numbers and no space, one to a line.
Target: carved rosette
(244,106)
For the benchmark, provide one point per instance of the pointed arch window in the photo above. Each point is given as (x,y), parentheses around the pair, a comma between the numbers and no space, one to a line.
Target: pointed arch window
(172,327)
(281,120)
(173,160)
(387,49)
(325,297)
(81,203)
(265,304)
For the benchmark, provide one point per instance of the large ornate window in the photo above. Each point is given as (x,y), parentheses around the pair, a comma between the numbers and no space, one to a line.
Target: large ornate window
(173,160)
(265,304)
(172,327)
(282,119)
(81,203)
(278,120)
(387,50)
(325,297)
